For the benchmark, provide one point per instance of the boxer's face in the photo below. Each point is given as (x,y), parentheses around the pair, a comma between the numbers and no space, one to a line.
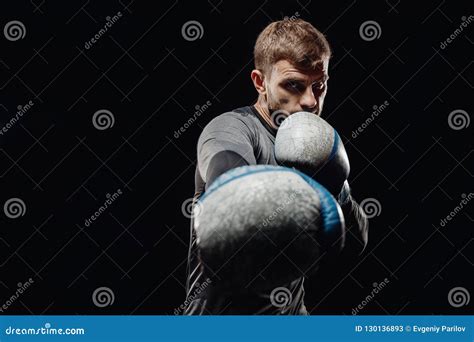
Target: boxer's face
(292,90)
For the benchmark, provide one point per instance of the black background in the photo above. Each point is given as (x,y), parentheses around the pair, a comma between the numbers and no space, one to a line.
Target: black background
(151,79)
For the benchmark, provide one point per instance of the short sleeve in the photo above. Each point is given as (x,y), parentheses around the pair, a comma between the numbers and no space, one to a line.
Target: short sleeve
(227,132)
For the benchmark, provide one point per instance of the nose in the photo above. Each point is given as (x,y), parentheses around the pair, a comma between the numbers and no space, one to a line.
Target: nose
(308,101)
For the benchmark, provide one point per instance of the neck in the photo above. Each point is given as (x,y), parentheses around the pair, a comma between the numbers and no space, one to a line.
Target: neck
(262,108)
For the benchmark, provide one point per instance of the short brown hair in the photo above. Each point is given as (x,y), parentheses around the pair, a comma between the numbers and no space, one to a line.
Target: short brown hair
(295,40)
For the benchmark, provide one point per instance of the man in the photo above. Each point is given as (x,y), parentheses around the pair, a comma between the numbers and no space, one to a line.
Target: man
(290,75)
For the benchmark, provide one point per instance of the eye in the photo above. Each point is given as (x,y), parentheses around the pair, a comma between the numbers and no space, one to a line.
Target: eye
(294,86)
(318,86)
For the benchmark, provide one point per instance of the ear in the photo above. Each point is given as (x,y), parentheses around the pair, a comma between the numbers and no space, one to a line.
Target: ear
(258,80)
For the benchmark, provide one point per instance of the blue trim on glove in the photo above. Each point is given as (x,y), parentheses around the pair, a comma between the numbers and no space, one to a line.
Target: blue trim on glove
(335,146)
(332,224)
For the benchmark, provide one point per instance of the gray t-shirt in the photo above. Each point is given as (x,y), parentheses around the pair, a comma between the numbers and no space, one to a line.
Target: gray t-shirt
(245,133)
